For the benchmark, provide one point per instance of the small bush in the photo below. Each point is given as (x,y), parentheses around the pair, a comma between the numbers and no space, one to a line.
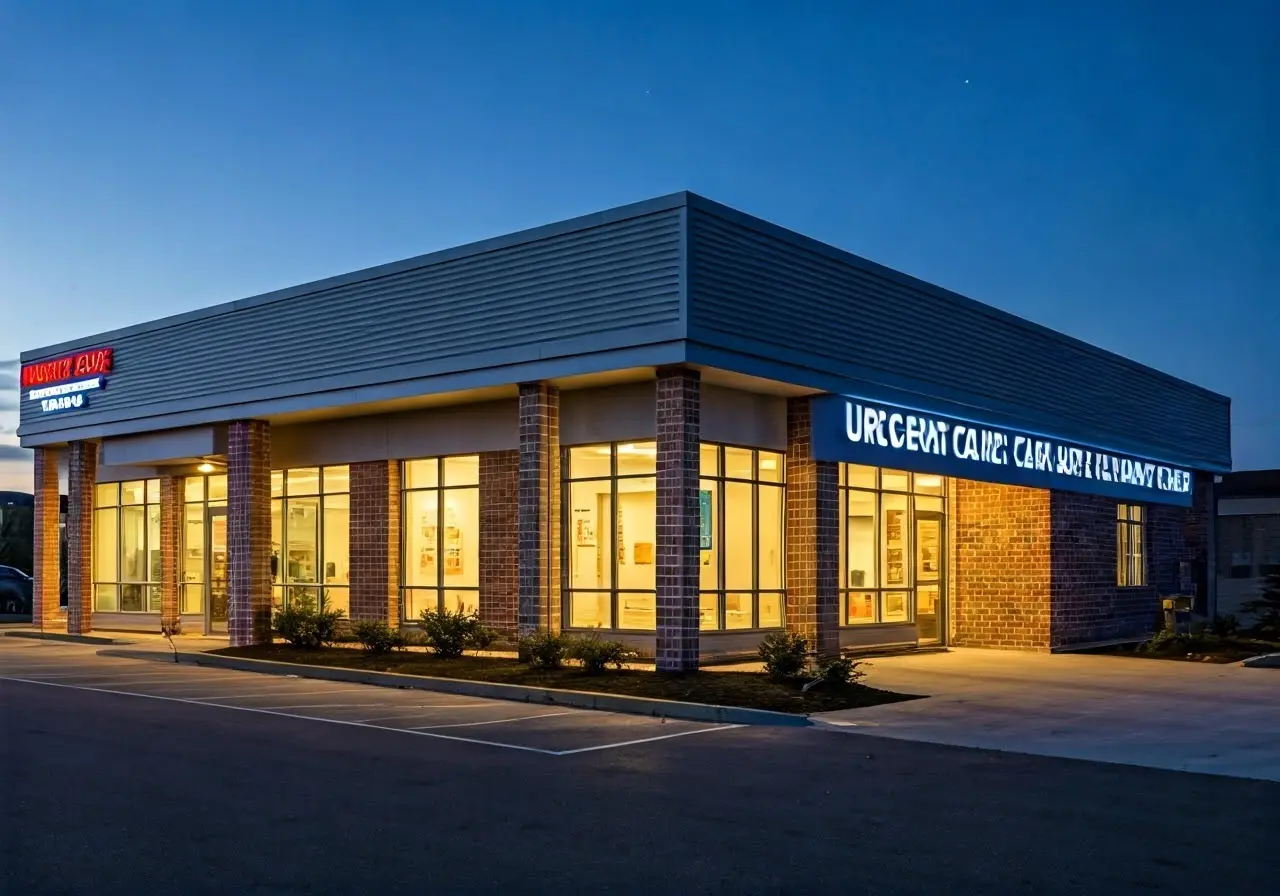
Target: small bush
(840,672)
(377,637)
(783,654)
(596,654)
(449,633)
(305,627)
(1227,626)
(543,650)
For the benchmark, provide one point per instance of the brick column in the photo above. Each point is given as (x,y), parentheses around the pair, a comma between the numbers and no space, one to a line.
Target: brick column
(45,523)
(500,540)
(375,541)
(171,497)
(813,537)
(679,426)
(82,475)
(249,532)
(538,513)
(1002,566)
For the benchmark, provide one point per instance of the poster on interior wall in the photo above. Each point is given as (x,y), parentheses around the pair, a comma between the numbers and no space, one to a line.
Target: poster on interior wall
(584,528)
(622,545)
(452,551)
(705,542)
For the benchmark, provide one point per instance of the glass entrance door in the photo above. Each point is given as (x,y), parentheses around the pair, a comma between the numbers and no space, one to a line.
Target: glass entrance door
(931,587)
(215,618)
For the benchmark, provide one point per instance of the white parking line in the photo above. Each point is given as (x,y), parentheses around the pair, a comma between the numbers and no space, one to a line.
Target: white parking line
(646,740)
(213,697)
(285,715)
(545,715)
(428,706)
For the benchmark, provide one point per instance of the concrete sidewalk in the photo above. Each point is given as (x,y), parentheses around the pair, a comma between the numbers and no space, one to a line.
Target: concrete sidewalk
(1216,719)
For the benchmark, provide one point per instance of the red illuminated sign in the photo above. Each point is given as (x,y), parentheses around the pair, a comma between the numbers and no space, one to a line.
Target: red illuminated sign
(44,373)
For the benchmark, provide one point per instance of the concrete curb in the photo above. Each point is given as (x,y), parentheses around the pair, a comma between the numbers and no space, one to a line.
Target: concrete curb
(59,636)
(644,706)
(1266,661)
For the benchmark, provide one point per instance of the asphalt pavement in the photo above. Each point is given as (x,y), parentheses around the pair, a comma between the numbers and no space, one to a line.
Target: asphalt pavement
(117,782)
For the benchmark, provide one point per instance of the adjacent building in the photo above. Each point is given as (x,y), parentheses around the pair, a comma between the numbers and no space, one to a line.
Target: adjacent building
(672,422)
(1248,542)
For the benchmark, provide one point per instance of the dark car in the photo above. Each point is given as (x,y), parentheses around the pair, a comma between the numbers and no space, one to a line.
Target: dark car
(15,591)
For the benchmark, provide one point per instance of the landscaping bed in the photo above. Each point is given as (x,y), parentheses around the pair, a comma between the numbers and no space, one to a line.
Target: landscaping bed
(753,690)
(1196,648)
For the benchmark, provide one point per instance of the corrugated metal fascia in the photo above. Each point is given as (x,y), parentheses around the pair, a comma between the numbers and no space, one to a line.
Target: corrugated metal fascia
(493,244)
(701,205)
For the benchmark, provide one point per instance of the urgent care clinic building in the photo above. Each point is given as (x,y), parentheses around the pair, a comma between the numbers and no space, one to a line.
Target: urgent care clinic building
(671,421)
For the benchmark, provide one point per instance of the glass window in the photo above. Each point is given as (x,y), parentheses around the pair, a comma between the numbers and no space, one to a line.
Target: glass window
(742,538)
(126,552)
(217,487)
(462,470)
(277,483)
(591,461)
(193,489)
(769,527)
(637,458)
(440,538)
(878,550)
(610,536)
(310,536)
(1131,564)
(895,481)
(192,571)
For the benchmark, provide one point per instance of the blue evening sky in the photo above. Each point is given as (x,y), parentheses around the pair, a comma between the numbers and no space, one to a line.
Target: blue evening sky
(1108,169)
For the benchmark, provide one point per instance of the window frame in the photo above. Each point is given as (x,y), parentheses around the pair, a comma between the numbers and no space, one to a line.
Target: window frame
(614,593)
(439,489)
(281,588)
(878,588)
(1131,565)
(720,480)
(150,586)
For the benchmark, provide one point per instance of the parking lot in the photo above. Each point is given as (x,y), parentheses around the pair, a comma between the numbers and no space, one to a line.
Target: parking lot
(499,724)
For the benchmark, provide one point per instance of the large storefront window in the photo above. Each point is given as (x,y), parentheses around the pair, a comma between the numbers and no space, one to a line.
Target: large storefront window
(126,547)
(200,493)
(441,538)
(610,542)
(891,542)
(742,503)
(310,536)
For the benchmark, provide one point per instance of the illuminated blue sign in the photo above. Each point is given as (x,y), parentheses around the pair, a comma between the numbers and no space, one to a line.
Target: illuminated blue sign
(877,433)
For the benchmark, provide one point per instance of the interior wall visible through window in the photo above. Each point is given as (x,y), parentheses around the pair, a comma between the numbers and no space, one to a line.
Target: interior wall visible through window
(440,515)
(310,536)
(126,548)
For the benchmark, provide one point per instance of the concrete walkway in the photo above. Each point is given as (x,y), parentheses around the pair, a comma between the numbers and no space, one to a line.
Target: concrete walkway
(1162,714)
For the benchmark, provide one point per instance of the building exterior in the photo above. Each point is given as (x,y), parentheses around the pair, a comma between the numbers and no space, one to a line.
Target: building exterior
(1248,538)
(670,421)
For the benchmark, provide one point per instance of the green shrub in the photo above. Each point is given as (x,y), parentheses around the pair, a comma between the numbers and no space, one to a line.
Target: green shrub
(596,654)
(1226,626)
(449,633)
(377,637)
(305,627)
(543,650)
(840,672)
(783,654)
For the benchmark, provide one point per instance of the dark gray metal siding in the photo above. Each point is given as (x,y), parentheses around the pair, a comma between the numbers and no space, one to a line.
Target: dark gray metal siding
(614,285)
(762,292)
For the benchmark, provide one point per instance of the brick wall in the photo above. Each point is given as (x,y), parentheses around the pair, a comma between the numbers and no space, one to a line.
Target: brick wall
(813,537)
(678,418)
(249,532)
(375,541)
(538,508)
(82,475)
(45,610)
(1088,604)
(1001,566)
(500,540)
(171,498)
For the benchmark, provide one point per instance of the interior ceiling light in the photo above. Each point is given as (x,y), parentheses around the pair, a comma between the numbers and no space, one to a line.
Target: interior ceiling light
(205,467)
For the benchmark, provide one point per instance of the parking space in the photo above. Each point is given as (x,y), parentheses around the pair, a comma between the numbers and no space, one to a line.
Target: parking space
(546,730)
(1214,719)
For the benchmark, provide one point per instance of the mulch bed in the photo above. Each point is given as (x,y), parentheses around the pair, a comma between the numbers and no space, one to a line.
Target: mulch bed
(1197,649)
(747,689)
